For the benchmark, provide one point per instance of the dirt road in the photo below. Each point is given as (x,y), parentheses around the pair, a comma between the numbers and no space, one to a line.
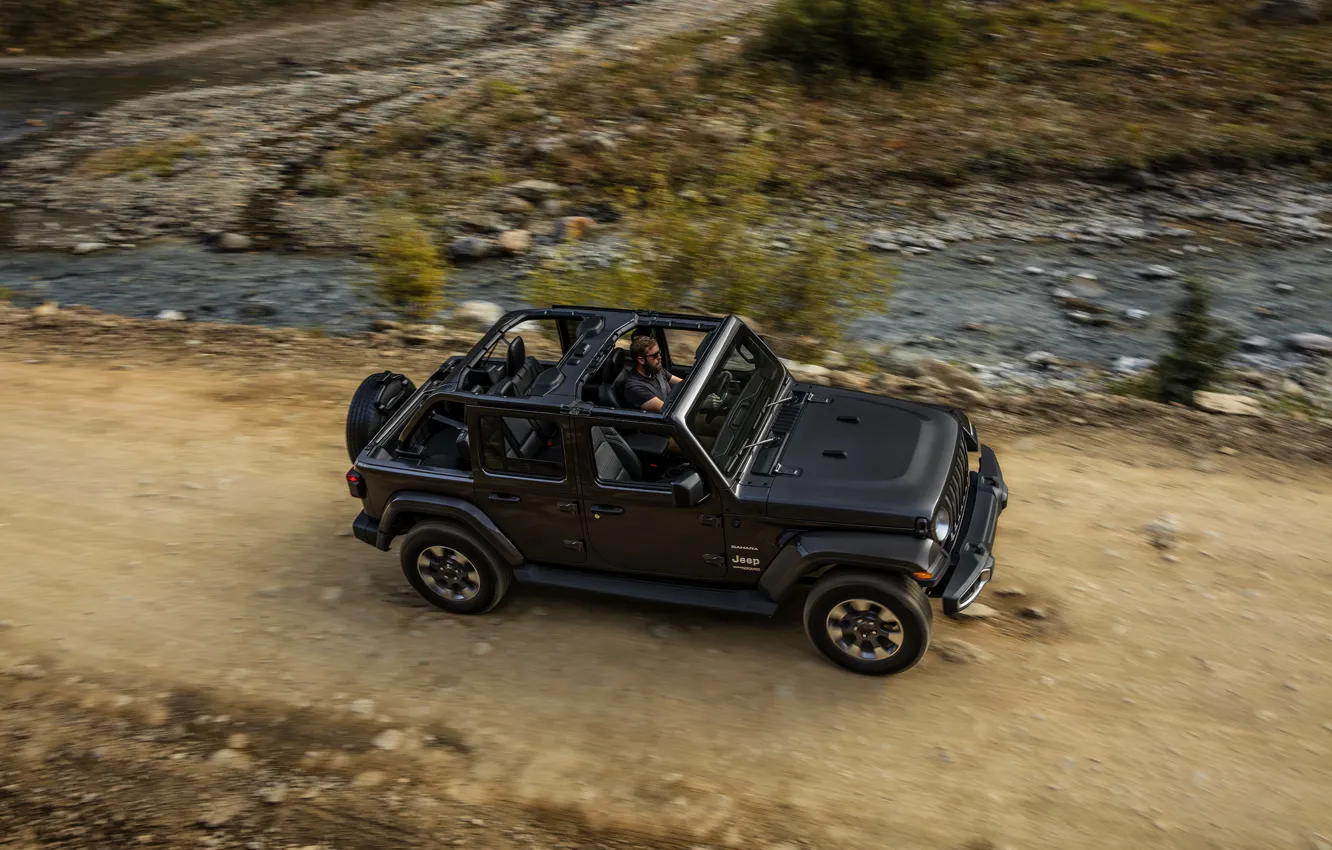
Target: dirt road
(177,569)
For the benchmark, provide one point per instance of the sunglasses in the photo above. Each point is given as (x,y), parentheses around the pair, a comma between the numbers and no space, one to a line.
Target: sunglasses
(656,355)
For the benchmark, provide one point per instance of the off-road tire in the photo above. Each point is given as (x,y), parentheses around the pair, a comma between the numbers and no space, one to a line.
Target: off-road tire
(364,418)
(493,576)
(897,593)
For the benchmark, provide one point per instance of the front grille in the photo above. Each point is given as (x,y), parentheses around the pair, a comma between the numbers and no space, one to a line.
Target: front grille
(955,491)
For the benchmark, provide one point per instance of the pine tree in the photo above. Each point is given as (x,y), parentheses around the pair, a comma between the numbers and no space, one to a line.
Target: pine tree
(1198,347)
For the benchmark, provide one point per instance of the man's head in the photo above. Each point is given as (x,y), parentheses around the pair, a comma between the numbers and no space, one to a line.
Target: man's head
(646,354)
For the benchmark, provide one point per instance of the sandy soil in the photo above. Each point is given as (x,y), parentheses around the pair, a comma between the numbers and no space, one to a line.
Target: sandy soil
(178,570)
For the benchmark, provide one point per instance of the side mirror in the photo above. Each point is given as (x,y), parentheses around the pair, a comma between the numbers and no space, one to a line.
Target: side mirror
(688,490)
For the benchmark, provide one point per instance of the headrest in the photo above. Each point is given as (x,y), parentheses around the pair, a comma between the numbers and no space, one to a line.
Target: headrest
(619,361)
(517,354)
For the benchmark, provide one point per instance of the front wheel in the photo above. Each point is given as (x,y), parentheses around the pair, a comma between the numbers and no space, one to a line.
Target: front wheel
(875,624)
(453,570)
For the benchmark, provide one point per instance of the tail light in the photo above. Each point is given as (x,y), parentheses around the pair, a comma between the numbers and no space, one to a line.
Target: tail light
(356,484)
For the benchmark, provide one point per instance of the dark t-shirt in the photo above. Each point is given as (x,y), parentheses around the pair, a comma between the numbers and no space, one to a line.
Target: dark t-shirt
(639,390)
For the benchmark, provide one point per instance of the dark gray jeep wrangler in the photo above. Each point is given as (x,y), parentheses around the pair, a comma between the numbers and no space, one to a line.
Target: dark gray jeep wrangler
(504,467)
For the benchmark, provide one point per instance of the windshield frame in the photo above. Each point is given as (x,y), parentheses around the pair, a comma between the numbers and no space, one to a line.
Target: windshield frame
(732,334)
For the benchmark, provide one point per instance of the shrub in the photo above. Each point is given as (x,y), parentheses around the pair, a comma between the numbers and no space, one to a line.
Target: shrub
(709,247)
(888,39)
(159,156)
(408,271)
(1198,348)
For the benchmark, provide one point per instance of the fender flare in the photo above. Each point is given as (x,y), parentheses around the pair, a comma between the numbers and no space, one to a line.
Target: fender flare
(464,513)
(812,550)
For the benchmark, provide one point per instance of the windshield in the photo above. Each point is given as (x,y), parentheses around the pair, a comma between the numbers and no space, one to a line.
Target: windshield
(734,400)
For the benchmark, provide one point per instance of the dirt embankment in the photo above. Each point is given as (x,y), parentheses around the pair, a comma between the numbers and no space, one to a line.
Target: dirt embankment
(195,652)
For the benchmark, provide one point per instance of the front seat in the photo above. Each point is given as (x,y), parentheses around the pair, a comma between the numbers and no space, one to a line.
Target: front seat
(614,460)
(614,370)
(521,369)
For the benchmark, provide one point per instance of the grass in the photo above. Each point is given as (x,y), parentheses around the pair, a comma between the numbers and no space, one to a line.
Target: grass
(159,157)
(6,294)
(1038,89)
(409,273)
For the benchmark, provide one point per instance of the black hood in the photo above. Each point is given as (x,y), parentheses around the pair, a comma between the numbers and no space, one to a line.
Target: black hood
(864,460)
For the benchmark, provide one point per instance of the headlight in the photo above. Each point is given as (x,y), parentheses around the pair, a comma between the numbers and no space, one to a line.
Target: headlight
(943,524)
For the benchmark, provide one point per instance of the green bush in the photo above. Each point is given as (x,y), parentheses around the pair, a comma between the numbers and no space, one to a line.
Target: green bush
(709,248)
(408,271)
(888,39)
(1198,348)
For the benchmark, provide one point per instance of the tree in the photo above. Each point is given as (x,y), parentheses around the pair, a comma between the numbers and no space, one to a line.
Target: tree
(1199,348)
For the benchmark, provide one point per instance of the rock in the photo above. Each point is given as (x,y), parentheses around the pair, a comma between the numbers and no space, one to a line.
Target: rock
(6,624)
(1283,288)
(573,228)
(882,240)
(1033,270)
(471,248)
(90,247)
(1266,312)
(514,205)
(382,325)
(234,242)
(978,611)
(389,740)
(1041,360)
(722,132)
(1163,532)
(228,757)
(553,207)
(1131,365)
(274,794)
(1255,343)
(515,241)
(46,310)
(1158,273)
(1032,612)
(594,141)
(1311,343)
(1283,12)
(481,648)
(27,672)
(536,191)
(238,740)
(950,375)
(809,373)
(1090,277)
(959,651)
(1227,404)
(548,145)
(220,813)
(363,707)
(1135,315)
(331,594)
(1081,295)
(1082,317)
(964,397)
(485,313)
(1292,388)
(368,779)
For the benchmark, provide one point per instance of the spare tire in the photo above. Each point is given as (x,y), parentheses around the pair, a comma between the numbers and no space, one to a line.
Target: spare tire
(374,403)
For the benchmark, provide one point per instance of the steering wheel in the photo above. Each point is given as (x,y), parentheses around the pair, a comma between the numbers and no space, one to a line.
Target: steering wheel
(719,386)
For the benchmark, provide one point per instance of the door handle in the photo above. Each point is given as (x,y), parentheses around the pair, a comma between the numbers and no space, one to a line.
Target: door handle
(710,521)
(568,507)
(504,497)
(608,510)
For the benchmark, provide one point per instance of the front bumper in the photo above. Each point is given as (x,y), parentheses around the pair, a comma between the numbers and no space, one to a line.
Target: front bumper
(972,563)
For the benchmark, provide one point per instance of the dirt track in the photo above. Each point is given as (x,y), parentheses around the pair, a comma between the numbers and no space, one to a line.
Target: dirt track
(178,538)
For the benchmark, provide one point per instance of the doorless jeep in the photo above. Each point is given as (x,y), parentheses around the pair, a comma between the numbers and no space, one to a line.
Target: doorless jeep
(505,467)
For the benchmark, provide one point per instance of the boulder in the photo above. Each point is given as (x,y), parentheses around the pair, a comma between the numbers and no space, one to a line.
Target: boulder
(485,313)
(515,241)
(573,228)
(1310,343)
(1227,404)
(472,248)
(234,242)
(536,190)
(946,373)
(90,247)
(514,205)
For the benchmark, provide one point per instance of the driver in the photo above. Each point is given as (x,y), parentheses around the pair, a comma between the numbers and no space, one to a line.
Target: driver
(648,384)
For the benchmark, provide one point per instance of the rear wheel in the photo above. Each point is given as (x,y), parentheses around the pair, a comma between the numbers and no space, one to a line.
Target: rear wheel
(876,624)
(452,569)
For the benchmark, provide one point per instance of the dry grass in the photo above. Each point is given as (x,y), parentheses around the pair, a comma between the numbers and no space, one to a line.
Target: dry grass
(1082,88)
(159,157)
